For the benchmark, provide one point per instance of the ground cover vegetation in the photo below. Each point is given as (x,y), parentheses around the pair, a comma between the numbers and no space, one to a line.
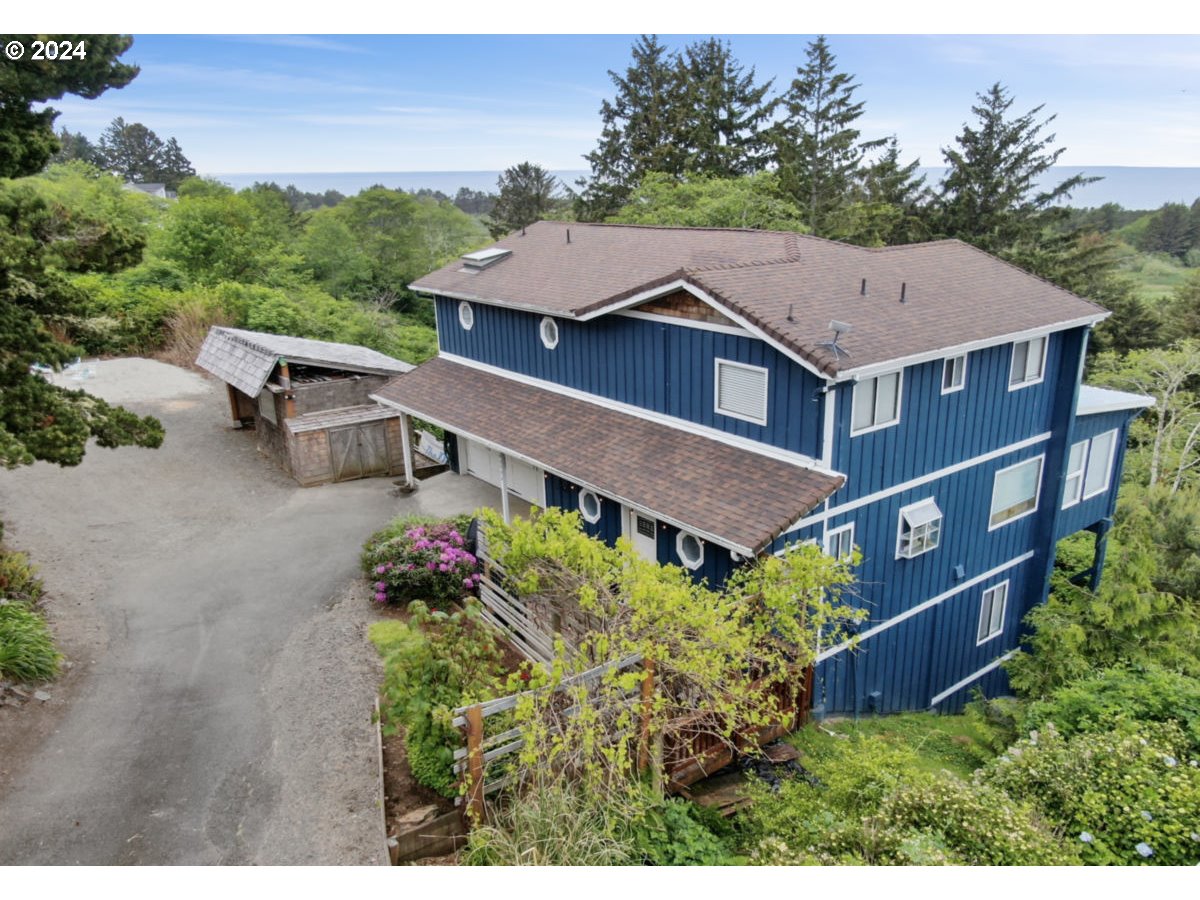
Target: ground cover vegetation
(27,652)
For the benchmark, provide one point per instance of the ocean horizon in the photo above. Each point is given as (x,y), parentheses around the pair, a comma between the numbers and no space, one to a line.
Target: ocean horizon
(1133,187)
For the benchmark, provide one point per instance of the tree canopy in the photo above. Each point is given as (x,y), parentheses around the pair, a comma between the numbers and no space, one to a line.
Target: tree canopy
(137,154)
(527,193)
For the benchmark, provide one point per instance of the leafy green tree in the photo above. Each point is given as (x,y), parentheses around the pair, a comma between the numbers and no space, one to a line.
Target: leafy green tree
(27,138)
(74,147)
(474,203)
(816,145)
(752,201)
(139,155)
(527,193)
(641,131)
(990,195)
(724,112)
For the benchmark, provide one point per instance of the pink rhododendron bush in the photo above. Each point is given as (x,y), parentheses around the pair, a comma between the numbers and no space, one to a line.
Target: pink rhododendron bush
(421,559)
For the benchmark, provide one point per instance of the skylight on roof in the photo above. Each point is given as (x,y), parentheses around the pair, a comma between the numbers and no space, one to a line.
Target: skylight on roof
(481,259)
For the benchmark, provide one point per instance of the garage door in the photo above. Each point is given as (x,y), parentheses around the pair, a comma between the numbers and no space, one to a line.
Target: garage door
(524,480)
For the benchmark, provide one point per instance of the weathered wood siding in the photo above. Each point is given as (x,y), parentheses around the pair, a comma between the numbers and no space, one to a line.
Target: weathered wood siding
(657,366)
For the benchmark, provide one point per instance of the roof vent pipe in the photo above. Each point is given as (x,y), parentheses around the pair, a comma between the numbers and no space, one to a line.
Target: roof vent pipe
(568,235)
(863,290)
(903,288)
(791,309)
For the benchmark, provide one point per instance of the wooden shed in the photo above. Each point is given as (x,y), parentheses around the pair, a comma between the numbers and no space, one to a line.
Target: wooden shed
(309,403)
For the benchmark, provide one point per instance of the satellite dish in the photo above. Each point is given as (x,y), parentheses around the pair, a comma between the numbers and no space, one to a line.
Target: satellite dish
(838,329)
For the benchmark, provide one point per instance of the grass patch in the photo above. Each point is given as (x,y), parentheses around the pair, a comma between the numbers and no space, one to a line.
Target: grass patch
(953,743)
(26,649)
(1155,276)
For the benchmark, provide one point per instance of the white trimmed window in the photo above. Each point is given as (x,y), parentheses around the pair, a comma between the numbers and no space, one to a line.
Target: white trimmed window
(466,315)
(1075,466)
(1015,492)
(741,391)
(590,506)
(876,403)
(549,332)
(690,549)
(920,529)
(1099,464)
(954,374)
(1028,363)
(839,542)
(991,612)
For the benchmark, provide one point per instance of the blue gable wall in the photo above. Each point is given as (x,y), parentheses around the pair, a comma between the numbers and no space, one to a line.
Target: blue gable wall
(1087,512)
(657,366)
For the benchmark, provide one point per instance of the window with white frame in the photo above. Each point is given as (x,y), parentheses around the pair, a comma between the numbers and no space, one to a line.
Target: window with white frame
(876,403)
(920,529)
(466,315)
(549,332)
(1099,464)
(1015,492)
(839,542)
(589,506)
(1075,466)
(954,374)
(741,391)
(1028,362)
(991,612)
(690,549)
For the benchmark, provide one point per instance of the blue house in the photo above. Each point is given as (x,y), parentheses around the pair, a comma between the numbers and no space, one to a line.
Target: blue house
(716,394)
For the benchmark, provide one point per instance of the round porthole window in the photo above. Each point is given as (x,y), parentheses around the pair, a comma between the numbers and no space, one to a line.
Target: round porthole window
(589,505)
(690,550)
(549,331)
(466,315)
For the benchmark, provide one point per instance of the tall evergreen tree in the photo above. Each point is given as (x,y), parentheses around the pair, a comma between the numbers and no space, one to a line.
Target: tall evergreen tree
(1173,230)
(137,154)
(724,112)
(527,193)
(816,146)
(990,196)
(641,131)
(887,182)
(173,166)
(75,146)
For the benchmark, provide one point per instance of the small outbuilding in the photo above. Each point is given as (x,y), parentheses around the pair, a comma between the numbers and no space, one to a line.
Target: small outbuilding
(309,402)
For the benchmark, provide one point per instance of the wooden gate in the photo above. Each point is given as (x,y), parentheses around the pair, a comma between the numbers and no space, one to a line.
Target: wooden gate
(358,451)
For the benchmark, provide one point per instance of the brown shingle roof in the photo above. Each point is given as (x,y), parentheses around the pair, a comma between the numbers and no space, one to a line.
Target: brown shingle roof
(738,497)
(954,293)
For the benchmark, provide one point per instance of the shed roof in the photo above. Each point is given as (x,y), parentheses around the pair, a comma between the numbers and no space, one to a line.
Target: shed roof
(335,418)
(246,359)
(788,286)
(736,497)
(1095,400)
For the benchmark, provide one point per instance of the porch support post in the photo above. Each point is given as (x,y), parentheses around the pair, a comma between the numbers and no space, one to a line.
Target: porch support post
(1101,548)
(234,407)
(504,510)
(407,449)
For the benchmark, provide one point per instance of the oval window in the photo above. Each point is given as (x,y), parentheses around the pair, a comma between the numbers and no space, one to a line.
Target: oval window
(690,549)
(589,505)
(549,332)
(466,315)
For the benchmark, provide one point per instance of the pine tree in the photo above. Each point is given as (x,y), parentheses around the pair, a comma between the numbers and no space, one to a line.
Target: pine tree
(73,146)
(990,196)
(173,166)
(886,182)
(131,150)
(724,112)
(816,146)
(641,132)
(527,193)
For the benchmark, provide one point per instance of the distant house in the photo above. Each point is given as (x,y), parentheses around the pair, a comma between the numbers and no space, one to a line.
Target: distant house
(310,403)
(714,395)
(154,189)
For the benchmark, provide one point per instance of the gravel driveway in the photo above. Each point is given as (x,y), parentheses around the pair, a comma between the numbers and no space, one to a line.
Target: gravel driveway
(218,707)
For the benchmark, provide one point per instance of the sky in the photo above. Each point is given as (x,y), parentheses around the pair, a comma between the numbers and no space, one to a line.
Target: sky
(369,103)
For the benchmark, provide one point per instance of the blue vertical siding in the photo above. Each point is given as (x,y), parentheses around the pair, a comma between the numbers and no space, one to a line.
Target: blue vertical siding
(1088,512)
(717,564)
(565,495)
(665,368)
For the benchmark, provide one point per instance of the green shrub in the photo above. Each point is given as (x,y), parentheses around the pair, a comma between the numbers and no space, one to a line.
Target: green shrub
(1112,696)
(677,833)
(26,649)
(1128,796)
(432,665)
(415,559)
(18,579)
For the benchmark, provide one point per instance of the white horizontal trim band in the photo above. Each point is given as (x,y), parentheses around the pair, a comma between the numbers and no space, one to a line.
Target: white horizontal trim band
(917,482)
(974,676)
(928,604)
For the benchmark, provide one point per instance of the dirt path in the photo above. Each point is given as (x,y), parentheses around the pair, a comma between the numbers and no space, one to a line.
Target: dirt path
(218,708)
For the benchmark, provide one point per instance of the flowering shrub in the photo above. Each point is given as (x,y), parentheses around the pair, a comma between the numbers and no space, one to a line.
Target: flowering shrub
(427,562)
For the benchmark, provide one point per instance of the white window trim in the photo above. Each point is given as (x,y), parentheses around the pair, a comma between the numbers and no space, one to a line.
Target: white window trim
(941,519)
(962,381)
(1068,501)
(832,534)
(1042,377)
(1037,497)
(548,322)
(592,520)
(899,402)
(691,565)
(1108,463)
(466,315)
(979,642)
(717,363)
